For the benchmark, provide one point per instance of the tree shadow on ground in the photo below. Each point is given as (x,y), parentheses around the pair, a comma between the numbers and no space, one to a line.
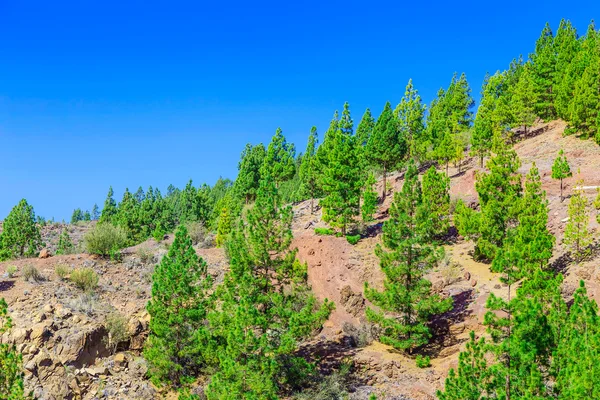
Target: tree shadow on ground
(6,285)
(440,326)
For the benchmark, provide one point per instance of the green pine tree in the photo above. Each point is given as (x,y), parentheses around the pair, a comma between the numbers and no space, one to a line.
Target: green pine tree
(369,205)
(95,213)
(265,307)
(247,181)
(65,246)
(224,227)
(110,207)
(279,161)
(436,204)
(178,341)
(561,170)
(543,65)
(385,149)
(585,106)
(20,235)
(309,175)
(410,114)
(473,380)
(578,351)
(577,235)
(365,127)
(524,99)
(341,176)
(499,192)
(566,47)
(406,260)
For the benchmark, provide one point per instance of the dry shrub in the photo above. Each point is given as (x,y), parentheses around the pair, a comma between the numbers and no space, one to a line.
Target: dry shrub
(85,279)
(31,274)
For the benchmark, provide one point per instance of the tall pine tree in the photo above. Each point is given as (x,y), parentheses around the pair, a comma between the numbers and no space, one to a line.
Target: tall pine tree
(405,261)
(178,341)
(385,149)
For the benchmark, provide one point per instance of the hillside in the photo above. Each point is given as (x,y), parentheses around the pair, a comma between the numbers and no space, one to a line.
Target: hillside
(61,331)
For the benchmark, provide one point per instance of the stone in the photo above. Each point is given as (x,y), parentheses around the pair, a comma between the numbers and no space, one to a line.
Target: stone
(97,371)
(48,308)
(467,276)
(120,359)
(473,282)
(44,253)
(40,332)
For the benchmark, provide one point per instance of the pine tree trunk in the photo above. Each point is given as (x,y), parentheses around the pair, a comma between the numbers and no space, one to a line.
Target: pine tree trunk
(481,161)
(561,190)
(509,333)
(384,184)
(447,165)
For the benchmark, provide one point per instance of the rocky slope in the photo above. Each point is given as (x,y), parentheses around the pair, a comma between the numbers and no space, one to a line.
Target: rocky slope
(62,331)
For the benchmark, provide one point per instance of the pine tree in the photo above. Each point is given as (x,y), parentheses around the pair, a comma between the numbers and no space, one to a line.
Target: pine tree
(110,207)
(341,177)
(499,192)
(309,169)
(126,216)
(139,195)
(473,380)
(65,246)
(436,204)
(279,161)
(410,113)
(178,341)
(561,170)
(76,216)
(483,131)
(247,181)
(224,227)
(577,236)
(95,213)
(369,205)
(405,262)
(265,307)
(585,106)
(566,47)
(365,127)
(385,149)
(543,63)
(11,373)
(578,351)
(524,99)
(20,235)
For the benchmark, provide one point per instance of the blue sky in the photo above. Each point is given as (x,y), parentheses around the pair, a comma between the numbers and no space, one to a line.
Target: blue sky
(105,93)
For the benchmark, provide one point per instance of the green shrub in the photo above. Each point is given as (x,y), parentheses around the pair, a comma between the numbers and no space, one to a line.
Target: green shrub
(11,271)
(324,231)
(31,274)
(62,271)
(105,239)
(85,279)
(116,326)
(352,239)
(423,362)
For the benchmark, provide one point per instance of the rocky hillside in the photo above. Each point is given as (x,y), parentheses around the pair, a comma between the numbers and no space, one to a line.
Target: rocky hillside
(63,332)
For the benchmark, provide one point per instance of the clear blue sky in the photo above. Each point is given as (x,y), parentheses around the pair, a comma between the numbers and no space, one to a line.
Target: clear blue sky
(99,93)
